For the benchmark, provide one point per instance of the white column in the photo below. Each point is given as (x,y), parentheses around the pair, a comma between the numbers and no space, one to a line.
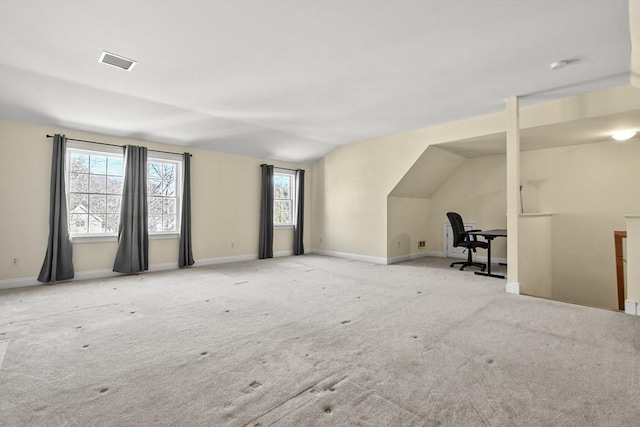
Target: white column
(632,302)
(513,192)
(634,32)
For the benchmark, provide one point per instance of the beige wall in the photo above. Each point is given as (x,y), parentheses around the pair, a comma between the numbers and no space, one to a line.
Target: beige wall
(346,206)
(588,188)
(477,191)
(225,203)
(408,224)
(350,192)
(427,174)
(353,182)
(535,255)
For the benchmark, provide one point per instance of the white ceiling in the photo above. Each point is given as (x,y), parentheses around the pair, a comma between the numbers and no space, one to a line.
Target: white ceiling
(292,81)
(576,132)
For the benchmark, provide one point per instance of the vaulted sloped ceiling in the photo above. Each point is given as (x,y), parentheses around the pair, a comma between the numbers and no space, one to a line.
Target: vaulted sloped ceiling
(427,174)
(292,81)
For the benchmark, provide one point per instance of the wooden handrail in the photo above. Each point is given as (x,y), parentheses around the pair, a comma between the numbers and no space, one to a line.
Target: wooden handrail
(618,236)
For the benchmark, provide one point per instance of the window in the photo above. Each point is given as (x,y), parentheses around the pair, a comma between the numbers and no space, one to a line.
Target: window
(162,195)
(283,197)
(94,190)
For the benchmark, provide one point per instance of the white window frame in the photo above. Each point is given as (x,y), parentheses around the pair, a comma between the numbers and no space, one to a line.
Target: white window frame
(76,146)
(292,175)
(178,160)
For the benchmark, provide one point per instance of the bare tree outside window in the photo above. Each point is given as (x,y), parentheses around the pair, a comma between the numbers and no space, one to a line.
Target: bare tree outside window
(162,196)
(95,183)
(282,199)
(95,180)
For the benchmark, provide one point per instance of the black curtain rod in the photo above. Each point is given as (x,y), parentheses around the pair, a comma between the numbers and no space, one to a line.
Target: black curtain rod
(116,145)
(278,167)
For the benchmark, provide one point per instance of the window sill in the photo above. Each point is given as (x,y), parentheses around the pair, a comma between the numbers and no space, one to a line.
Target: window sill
(113,238)
(164,236)
(94,239)
(283,227)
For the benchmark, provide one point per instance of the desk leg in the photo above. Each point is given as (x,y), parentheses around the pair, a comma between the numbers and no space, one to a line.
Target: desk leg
(488,273)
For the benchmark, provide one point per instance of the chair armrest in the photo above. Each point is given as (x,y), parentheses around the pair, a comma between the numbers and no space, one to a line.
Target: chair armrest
(475,238)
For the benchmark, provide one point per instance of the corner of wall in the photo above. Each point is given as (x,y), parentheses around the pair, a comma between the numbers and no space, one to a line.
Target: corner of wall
(632,308)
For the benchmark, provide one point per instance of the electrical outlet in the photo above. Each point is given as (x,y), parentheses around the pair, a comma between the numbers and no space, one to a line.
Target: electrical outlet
(421,244)
(14,261)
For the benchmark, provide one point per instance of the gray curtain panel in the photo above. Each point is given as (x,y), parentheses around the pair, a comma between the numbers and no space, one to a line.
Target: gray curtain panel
(298,245)
(58,262)
(133,234)
(185,258)
(265,241)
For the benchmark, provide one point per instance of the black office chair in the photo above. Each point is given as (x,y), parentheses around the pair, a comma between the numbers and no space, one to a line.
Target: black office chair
(462,239)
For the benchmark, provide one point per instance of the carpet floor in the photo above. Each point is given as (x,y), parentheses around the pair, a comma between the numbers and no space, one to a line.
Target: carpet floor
(312,341)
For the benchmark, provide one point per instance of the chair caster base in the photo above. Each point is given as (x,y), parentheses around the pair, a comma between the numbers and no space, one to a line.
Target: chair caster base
(464,265)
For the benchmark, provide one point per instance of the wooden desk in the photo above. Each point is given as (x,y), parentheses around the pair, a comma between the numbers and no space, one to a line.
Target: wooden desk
(489,235)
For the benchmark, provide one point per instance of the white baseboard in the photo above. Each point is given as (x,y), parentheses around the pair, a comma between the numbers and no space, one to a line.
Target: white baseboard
(83,275)
(282,253)
(513,288)
(357,257)
(103,274)
(394,260)
(632,308)
(403,258)
(225,259)
(438,254)
(21,282)
(237,258)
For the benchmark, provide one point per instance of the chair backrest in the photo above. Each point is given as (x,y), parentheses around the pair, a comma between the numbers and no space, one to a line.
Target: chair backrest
(457,225)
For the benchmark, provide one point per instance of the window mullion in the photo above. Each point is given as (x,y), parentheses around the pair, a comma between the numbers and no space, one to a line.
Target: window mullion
(94,191)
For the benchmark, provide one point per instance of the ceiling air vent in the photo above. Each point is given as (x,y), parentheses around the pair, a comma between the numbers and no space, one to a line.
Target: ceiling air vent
(116,61)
